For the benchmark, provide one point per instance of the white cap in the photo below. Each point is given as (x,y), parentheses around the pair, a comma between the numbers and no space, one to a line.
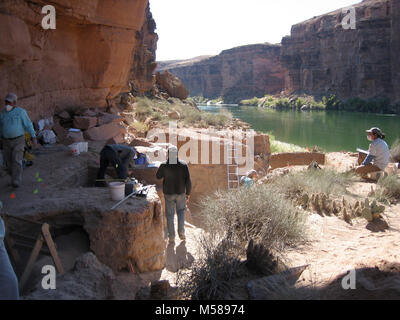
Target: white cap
(11,97)
(172,149)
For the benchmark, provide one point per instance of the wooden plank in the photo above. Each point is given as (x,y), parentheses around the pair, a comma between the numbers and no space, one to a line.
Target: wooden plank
(31,261)
(52,247)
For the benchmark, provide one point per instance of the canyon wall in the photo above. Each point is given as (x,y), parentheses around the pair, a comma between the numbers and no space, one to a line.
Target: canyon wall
(84,62)
(235,74)
(323,58)
(144,60)
(395,45)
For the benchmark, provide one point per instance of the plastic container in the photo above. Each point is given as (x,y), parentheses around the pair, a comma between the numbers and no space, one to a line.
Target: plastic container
(117,190)
(83,147)
(130,187)
(74,149)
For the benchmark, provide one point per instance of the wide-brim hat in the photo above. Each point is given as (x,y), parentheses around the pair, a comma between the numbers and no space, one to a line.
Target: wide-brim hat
(375,130)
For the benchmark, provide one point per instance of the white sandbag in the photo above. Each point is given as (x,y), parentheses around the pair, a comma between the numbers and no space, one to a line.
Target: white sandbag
(48,136)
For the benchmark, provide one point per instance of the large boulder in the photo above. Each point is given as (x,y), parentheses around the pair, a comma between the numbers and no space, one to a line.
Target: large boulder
(104,132)
(85,123)
(172,85)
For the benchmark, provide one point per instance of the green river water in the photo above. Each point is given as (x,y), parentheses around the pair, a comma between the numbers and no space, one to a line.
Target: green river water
(329,130)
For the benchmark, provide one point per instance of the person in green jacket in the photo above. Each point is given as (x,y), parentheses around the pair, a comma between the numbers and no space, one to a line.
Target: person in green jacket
(14,121)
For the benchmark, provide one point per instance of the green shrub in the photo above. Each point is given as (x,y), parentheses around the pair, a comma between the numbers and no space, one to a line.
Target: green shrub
(270,101)
(140,127)
(388,188)
(250,102)
(379,105)
(300,102)
(283,147)
(283,103)
(332,102)
(191,116)
(395,151)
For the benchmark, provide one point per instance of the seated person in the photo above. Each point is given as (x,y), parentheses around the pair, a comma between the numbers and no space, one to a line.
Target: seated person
(118,156)
(378,156)
(248,179)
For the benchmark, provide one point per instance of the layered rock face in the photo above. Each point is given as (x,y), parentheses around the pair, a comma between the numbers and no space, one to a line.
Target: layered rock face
(235,74)
(395,45)
(323,58)
(84,62)
(144,60)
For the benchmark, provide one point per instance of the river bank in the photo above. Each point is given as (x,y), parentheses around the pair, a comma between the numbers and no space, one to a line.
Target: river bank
(331,131)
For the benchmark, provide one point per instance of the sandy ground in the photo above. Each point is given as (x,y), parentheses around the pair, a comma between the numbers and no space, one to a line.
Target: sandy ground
(334,247)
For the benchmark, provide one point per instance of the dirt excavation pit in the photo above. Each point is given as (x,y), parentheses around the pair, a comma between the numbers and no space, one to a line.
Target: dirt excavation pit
(56,190)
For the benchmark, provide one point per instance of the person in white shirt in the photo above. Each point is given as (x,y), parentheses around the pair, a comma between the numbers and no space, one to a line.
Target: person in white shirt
(378,153)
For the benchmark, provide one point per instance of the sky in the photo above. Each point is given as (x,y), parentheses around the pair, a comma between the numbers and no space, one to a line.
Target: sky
(190,28)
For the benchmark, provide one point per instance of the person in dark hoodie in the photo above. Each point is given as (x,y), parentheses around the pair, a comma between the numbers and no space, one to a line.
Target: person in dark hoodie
(176,188)
(119,157)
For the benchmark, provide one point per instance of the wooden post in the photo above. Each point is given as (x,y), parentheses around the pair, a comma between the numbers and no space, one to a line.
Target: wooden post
(52,247)
(31,261)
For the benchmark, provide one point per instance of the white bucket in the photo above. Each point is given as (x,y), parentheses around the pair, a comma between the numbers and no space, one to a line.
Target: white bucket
(117,190)
(74,148)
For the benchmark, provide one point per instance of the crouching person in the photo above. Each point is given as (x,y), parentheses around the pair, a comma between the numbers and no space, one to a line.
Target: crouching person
(8,279)
(176,188)
(118,156)
(378,154)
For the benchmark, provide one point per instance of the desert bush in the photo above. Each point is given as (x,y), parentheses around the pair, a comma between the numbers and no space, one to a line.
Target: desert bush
(143,109)
(210,276)
(140,127)
(217,119)
(388,188)
(395,151)
(260,213)
(314,181)
(191,116)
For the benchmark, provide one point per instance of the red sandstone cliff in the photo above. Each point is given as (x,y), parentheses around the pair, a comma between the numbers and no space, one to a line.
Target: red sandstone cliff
(322,57)
(235,74)
(144,60)
(395,45)
(84,62)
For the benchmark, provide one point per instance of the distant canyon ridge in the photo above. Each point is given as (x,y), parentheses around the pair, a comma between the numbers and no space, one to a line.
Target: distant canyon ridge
(319,58)
(102,49)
